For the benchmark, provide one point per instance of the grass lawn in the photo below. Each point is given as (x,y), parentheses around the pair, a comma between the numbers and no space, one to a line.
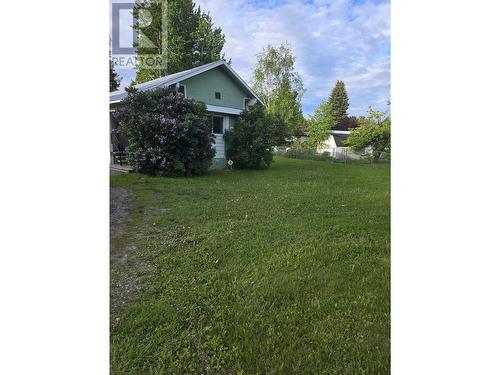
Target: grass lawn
(285,270)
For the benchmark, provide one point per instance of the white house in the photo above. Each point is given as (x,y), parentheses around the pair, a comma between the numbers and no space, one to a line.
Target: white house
(336,148)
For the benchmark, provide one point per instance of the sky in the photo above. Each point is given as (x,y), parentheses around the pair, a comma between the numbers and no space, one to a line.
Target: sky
(332,40)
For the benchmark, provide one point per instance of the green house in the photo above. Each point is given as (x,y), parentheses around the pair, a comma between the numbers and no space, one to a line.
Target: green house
(216,84)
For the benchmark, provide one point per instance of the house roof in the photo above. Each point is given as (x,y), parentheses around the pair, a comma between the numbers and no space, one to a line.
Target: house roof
(119,95)
(340,136)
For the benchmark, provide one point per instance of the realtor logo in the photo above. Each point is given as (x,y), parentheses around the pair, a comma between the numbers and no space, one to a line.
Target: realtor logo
(117,10)
(139,26)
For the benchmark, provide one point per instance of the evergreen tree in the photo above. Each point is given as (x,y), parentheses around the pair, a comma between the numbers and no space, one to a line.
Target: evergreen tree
(184,37)
(280,86)
(114,80)
(339,102)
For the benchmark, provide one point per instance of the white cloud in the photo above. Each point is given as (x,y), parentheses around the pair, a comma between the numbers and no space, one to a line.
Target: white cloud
(331,40)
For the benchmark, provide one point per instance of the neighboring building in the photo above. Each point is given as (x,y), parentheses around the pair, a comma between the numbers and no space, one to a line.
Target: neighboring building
(336,147)
(216,84)
(334,143)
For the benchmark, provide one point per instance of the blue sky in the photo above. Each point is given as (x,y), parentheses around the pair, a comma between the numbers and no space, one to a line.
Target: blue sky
(331,39)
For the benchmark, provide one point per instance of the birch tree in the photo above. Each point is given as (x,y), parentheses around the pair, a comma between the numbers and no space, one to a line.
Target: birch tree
(280,86)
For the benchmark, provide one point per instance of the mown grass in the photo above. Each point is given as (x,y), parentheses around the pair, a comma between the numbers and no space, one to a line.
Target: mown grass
(285,270)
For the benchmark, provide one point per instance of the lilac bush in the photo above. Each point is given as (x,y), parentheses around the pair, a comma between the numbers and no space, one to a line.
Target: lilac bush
(168,134)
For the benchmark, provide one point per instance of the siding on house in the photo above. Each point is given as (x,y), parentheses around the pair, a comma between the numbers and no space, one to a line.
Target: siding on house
(204,86)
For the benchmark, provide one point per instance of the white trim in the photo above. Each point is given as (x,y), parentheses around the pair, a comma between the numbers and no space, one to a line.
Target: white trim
(169,80)
(345,132)
(185,92)
(166,81)
(183,77)
(227,110)
(245,104)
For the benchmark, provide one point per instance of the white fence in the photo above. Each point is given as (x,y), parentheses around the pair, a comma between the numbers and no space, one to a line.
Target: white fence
(335,154)
(344,153)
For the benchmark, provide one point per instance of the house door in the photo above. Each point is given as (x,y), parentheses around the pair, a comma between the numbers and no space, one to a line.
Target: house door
(219,125)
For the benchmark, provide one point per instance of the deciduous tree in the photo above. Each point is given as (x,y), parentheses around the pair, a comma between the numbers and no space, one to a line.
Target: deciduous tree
(374,132)
(348,122)
(319,126)
(208,40)
(280,86)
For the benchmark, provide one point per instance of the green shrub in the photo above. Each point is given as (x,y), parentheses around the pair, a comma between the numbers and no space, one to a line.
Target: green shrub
(250,143)
(168,134)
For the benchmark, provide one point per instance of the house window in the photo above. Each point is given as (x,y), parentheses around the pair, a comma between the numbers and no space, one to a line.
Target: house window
(217,95)
(247,103)
(217,125)
(182,90)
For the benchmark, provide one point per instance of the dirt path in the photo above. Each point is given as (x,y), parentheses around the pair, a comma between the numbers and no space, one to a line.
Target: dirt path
(126,266)
(118,211)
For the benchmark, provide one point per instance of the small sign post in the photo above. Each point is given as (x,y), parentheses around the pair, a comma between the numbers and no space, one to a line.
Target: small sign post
(230,163)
